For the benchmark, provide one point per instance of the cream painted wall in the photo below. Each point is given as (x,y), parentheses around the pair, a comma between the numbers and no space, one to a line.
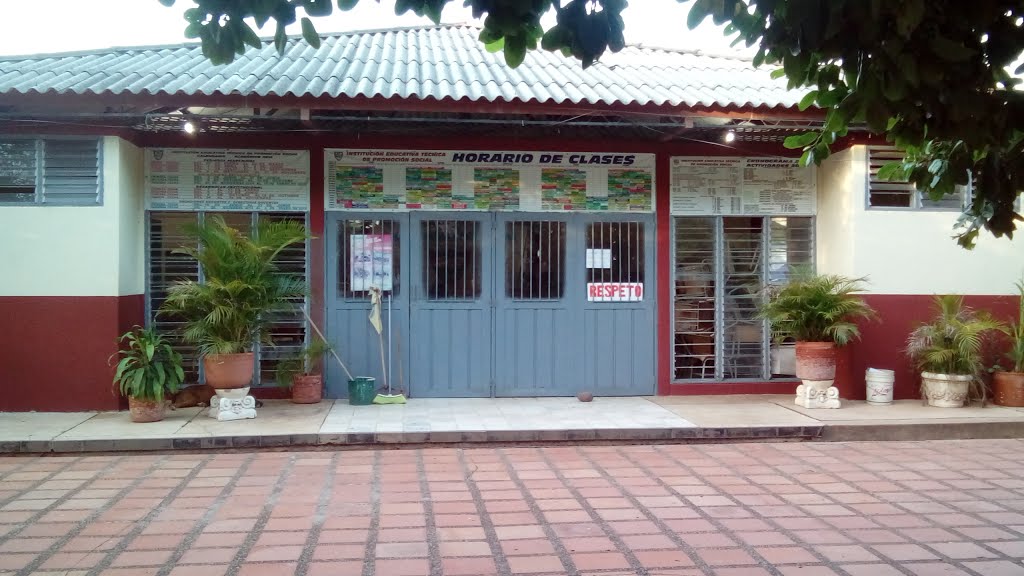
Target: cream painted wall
(131,230)
(834,225)
(79,250)
(903,252)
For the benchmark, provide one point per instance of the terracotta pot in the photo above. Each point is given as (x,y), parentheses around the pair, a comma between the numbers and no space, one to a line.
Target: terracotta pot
(229,371)
(816,361)
(945,390)
(307,388)
(145,410)
(1008,389)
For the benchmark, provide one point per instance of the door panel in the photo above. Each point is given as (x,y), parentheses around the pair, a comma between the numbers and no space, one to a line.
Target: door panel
(618,312)
(366,250)
(452,282)
(537,349)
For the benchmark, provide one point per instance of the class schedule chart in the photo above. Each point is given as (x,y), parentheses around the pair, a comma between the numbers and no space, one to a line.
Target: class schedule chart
(529,181)
(227,180)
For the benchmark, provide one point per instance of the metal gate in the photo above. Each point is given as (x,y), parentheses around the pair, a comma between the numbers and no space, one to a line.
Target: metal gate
(497,304)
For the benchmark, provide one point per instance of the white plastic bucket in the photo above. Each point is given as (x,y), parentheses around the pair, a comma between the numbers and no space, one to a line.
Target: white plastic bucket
(880,384)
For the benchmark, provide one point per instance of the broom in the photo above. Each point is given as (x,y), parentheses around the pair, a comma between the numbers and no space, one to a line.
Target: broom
(388,398)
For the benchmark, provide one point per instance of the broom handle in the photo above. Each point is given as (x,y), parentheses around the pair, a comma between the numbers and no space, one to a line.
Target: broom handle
(330,349)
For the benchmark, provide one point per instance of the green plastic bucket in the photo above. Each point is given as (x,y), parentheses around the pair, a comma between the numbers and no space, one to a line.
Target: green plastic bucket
(361,391)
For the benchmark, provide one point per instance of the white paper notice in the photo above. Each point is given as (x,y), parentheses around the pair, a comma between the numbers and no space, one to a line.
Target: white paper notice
(599,258)
(706,185)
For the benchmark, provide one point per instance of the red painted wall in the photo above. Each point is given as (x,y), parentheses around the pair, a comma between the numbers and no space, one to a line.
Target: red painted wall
(55,351)
(882,342)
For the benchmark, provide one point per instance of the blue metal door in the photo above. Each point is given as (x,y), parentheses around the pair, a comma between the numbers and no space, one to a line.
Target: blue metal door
(537,345)
(484,304)
(618,304)
(452,279)
(366,250)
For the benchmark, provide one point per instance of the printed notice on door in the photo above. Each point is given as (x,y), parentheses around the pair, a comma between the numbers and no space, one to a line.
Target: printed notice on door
(192,179)
(372,262)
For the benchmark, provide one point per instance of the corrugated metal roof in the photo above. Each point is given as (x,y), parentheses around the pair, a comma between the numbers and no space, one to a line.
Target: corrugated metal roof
(437,62)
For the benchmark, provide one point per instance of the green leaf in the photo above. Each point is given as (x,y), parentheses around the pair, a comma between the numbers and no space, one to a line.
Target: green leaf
(167,3)
(280,39)
(808,100)
(496,46)
(700,10)
(309,33)
(778,73)
(554,39)
(318,8)
(515,51)
(800,140)
(347,4)
(250,37)
(950,50)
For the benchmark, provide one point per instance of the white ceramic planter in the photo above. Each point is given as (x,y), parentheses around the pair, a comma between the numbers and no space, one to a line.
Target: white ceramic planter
(945,390)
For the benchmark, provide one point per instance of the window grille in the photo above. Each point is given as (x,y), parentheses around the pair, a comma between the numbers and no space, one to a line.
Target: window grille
(51,171)
(453,269)
(535,260)
(616,252)
(721,267)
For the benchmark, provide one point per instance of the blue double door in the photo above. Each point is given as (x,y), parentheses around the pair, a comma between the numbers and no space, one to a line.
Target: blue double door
(493,304)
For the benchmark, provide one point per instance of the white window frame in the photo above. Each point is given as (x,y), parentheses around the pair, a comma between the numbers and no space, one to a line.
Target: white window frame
(917,199)
(40,198)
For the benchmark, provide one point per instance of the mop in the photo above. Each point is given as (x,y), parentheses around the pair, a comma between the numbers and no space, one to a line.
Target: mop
(375,299)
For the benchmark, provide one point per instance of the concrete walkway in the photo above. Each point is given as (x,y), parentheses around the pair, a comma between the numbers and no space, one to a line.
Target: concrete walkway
(680,418)
(946,508)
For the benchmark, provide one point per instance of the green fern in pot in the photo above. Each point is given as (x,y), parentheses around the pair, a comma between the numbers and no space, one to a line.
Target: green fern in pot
(148,371)
(819,312)
(948,351)
(1008,385)
(242,291)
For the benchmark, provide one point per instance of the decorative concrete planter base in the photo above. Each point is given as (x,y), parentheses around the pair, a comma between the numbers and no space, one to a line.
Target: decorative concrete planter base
(233,404)
(817,394)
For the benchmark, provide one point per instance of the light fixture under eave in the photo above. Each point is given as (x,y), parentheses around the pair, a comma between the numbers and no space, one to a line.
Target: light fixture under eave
(730,136)
(189,127)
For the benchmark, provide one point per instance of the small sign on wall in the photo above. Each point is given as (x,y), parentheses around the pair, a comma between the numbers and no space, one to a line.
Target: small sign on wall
(615,291)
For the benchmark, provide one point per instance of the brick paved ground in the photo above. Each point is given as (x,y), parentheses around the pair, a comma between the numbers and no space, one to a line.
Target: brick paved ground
(858,509)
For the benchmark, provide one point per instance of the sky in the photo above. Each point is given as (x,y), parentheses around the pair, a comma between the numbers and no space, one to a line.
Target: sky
(68,25)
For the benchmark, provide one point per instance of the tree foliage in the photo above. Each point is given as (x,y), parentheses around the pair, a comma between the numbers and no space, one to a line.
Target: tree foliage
(932,77)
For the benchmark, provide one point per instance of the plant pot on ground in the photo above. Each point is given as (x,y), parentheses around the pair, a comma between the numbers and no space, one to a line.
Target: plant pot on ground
(1008,385)
(148,371)
(819,313)
(948,353)
(302,372)
(242,292)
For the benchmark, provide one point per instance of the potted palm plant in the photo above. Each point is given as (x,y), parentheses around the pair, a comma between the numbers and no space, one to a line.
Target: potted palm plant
(227,313)
(949,352)
(1008,386)
(302,373)
(148,370)
(819,313)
